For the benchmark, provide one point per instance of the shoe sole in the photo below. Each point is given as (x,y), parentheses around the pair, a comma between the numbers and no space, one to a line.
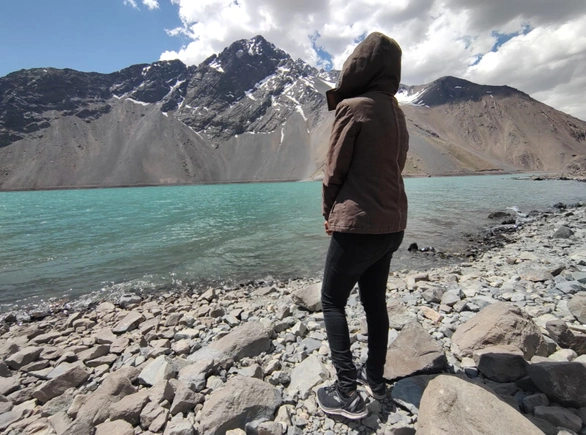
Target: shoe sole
(342,412)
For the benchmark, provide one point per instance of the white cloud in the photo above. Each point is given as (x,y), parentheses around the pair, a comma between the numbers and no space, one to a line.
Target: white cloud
(438,37)
(150,4)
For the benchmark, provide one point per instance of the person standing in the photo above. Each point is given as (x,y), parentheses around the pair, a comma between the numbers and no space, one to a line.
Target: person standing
(365,211)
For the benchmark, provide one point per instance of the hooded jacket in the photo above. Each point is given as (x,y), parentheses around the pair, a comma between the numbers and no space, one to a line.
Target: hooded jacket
(363,189)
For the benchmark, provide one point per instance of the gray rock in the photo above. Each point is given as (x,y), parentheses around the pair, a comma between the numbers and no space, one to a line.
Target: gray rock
(60,403)
(179,426)
(563,382)
(563,233)
(577,306)
(565,338)
(129,300)
(153,417)
(533,401)
(130,322)
(498,324)
(23,357)
(307,375)
(8,385)
(185,400)
(270,428)
(534,274)
(433,295)
(158,370)
(242,400)
(399,314)
(118,427)
(247,340)
(501,363)
(196,374)
(450,298)
(308,297)
(407,392)
(451,405)
(570,287)
(413,352)
(93,352)
(559,417)
(75,376)
(129,407)
(161,391)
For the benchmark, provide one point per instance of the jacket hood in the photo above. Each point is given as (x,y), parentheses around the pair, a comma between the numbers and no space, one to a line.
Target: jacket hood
(375,65)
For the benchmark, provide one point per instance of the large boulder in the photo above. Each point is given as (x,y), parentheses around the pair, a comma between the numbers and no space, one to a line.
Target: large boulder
(242,400)
(248,340)
(413,352)
(563,382)
(451,405)
(308,297)
(501,363)
(577,307)
(498,324)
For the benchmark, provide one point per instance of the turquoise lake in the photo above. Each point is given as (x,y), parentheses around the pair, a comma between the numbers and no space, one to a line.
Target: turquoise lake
(71,243)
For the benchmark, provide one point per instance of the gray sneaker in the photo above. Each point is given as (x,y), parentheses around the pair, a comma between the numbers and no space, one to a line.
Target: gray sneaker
(332,401)
(376,390)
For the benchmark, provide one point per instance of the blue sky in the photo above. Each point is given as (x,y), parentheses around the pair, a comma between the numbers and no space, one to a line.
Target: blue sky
(86,35)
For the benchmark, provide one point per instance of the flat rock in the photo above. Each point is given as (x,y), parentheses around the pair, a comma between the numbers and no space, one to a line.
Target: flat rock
(498,324)
(559,417)
(156,371)
(23,357)
(179,426)
(242,400)
(577,306)
(117,427)
(129,407)
(565,338)
(309,297)
(8,385)
(407,392)
(247,340)
(562,382)
(501,363)
(307,375)
(534,274)
(413,352)
(399,314)
(451,405)
(128,323)
(75,376)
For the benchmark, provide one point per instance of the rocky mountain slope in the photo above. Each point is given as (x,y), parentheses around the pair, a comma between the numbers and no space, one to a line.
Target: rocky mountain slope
(249,113)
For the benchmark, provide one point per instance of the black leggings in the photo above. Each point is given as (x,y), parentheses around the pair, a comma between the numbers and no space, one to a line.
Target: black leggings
(364,259)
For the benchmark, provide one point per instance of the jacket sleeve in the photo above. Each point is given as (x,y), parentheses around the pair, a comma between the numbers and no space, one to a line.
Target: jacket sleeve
(339,156)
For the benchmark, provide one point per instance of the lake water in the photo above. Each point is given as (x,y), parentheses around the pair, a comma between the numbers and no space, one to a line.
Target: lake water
(76,242)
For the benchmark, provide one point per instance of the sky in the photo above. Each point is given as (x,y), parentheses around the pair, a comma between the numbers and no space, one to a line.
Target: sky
(536,46)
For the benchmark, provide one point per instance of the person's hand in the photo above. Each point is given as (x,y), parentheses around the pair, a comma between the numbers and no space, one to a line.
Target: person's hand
(327,227)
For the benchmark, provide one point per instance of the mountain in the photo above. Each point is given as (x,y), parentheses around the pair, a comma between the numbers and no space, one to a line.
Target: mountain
(249,113)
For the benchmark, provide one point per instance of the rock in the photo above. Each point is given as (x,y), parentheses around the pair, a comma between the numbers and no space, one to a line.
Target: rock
(71,378)
(450,298)
(533,401)
(407,392)
(451,405)
(156,371)
(129,300)
(399,315)
(559,417)
(563,382)
(432,315)
(162,391)
(309,297)
(153,417)
(498,324)
(563,233)
(179,426)
(413,352)
(129,407)
(501,363)
(534,274)
(130,322)
(242,400)
(195,374)
(563,355)
(307,375)
(118,427)
(23,357)
(185,400)
(577,307)
(270,428)
(433,295)
(8,385)
(105,336)
(565,338)
(248,340)
(93,352)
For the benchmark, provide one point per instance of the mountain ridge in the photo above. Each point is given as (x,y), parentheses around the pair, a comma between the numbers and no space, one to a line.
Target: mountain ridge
(250,113)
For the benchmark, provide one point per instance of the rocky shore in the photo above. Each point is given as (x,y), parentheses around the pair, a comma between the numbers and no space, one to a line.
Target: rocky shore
(496,345)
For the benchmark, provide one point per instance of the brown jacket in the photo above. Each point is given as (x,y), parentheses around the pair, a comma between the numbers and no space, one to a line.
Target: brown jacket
(363,188)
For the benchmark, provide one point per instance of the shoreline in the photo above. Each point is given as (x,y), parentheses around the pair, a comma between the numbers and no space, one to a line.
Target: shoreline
(162,361)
